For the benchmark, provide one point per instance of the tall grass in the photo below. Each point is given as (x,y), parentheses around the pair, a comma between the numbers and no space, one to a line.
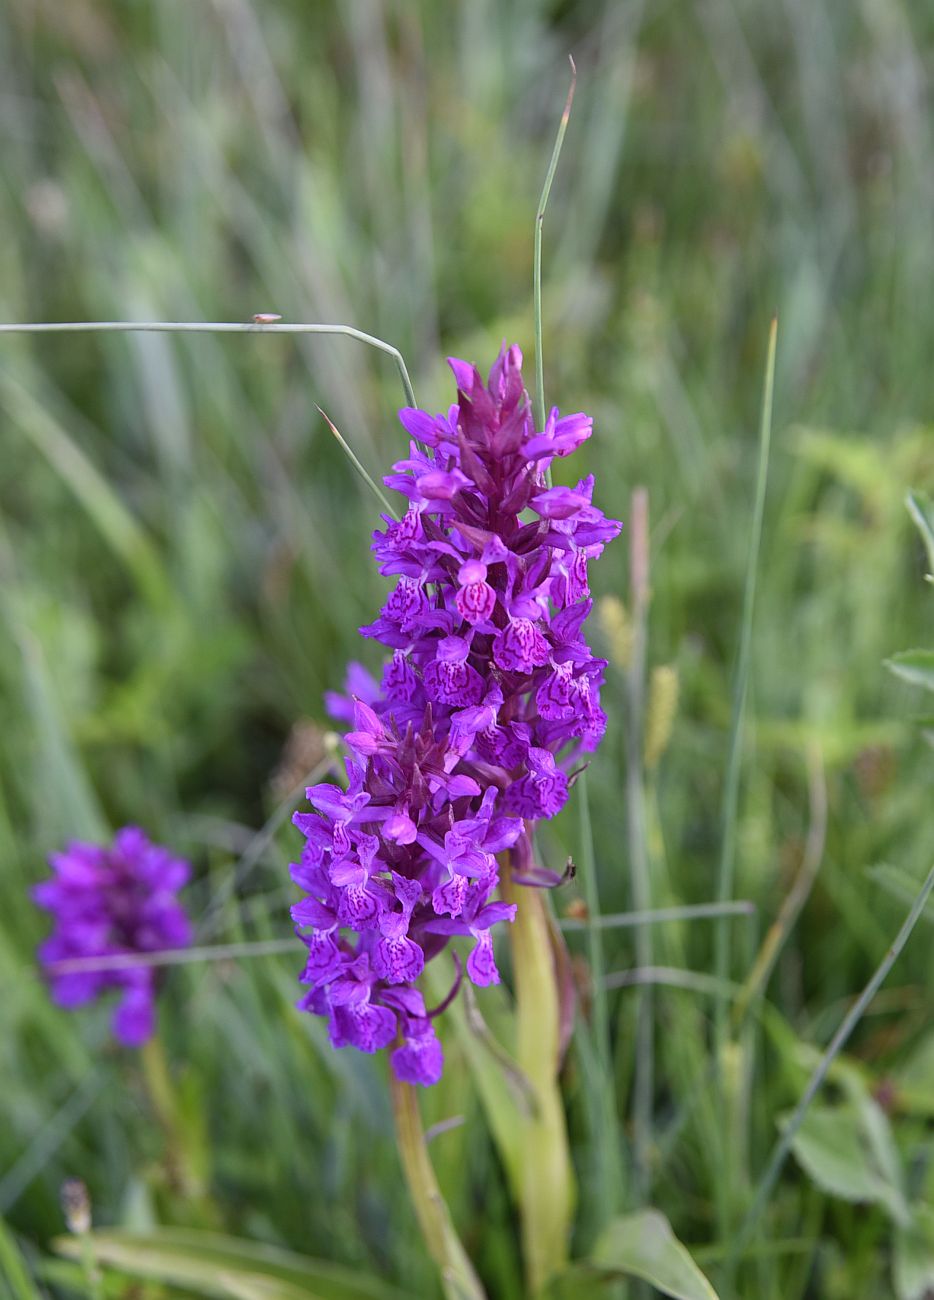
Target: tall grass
(184,559)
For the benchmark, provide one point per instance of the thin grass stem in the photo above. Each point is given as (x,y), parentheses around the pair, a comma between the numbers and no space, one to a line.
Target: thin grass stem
(673,977)
(837,1043)
(727,864)
(660,915)
(537,252)
(175,956)
(213,916)
(609,1164)
(724,1137)
(92,1274)
(637,839)
(592,924)
(546,1186)
(216,327)
(358,464)
(755,983)
(47,1139)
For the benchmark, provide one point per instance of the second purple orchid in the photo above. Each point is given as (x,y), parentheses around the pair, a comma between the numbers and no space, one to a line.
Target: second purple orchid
(490,694)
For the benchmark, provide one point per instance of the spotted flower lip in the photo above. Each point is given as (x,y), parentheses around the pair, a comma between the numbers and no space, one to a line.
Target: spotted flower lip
(113,901)
(490,693)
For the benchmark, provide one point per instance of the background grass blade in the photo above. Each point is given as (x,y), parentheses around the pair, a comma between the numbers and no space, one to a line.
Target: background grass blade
(838,1042)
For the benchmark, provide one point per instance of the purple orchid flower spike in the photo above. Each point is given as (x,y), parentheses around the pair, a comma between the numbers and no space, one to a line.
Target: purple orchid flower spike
(116,901)
(487,700)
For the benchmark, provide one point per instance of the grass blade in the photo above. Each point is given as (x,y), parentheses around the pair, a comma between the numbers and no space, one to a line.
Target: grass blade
(358,464)
(13,1271)
(837,1043)
(727,864)
(215,327)
(659,915)
(537,252)
(108,513)
(608,1162)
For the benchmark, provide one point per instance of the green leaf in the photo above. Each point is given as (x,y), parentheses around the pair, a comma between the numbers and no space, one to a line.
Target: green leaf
(227,1268)
(914,666)
(876,1128)
(914,1080)
(921,509)
(643,1245)
(844,1158)
(15,1281)
(249,1286)
(913,1265)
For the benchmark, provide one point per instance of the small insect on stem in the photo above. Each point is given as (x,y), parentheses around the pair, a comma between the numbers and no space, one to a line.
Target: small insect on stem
(265,318)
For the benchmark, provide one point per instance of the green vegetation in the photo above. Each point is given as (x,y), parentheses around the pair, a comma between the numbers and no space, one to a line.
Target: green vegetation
(184,561)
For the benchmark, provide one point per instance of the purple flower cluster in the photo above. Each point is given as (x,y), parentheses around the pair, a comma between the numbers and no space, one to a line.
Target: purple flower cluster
(113,902)
(490,692)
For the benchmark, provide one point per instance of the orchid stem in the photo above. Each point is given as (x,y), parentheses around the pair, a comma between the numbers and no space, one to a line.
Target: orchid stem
(179,1161)
(158,1083)
(458,1278)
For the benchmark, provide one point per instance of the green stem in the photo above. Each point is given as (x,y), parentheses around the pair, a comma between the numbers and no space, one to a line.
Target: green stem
(546,1175)
(644,1083)
(654,915)
(727,1148)
(92,1274)
(215,327)
(726,867)
(180,1163)
(358,464)
(547,1179)
(606,1135)
(537,253)
(458,1278)
(761,968)
(158,1083)
(594,927)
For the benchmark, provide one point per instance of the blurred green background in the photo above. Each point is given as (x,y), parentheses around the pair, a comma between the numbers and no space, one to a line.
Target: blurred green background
(184,551)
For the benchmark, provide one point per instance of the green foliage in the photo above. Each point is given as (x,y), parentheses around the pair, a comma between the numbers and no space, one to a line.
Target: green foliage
(922,513)
(14,1274)
(225,1267)
(184,561)
(913,1270)
(850,1152)
(834,1148)
(642,1245)
(915,667)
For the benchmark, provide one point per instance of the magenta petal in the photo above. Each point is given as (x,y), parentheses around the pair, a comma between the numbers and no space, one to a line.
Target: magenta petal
(399,960)
(134,1019)
(420,1059)
(481,964)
